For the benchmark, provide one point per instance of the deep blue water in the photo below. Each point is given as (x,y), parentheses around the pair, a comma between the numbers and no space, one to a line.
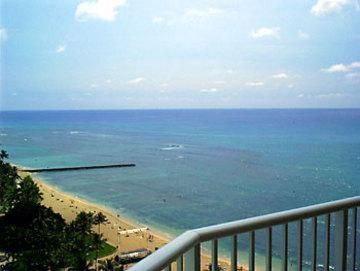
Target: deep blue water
(193,167)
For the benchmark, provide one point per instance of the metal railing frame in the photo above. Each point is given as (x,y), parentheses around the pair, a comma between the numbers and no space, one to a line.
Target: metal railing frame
(188,243)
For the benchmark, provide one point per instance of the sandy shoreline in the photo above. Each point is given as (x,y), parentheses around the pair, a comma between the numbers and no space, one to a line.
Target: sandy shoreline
(69,206)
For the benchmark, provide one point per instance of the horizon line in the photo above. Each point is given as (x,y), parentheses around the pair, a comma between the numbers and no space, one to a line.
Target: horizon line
(184,109)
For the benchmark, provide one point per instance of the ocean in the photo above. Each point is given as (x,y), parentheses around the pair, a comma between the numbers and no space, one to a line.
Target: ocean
(193,167)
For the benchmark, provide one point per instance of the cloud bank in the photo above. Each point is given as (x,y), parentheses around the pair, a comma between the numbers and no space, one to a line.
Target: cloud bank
(280,76)
(336,68)
(136,81)
(325,7)
(105,10)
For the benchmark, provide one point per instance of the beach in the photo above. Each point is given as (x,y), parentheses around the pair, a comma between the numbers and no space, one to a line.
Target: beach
(69,206)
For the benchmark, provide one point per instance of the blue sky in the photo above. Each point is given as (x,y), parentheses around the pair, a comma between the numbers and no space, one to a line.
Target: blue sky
(120,54)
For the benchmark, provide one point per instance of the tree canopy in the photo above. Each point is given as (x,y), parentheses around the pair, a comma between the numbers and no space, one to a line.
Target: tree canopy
(33,236)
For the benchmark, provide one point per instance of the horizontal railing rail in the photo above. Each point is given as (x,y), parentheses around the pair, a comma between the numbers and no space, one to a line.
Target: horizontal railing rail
(188,243)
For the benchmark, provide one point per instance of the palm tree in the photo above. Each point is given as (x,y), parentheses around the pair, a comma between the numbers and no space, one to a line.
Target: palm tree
(80,240)
(3,154)
(8,184)
(99,219)
(83,222)
(28,192)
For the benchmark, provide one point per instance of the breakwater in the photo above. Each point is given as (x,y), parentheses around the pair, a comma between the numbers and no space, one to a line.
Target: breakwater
(76,168)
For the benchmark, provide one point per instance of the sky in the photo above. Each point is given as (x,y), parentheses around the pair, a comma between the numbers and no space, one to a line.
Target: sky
(127,54)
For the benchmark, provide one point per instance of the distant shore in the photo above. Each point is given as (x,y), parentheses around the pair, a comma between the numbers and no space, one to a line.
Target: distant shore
(69,206)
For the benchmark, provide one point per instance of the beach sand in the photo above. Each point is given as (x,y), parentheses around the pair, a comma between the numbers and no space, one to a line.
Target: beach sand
(69,206)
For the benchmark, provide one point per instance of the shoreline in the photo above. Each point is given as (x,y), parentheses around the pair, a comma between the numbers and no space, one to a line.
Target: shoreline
(69,205)
(99,206)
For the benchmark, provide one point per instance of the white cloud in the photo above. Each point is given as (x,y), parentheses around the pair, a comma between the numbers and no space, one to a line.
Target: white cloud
(210,90)
(3,34)
(136,81)
(157,20)
(99,9)
(200,14)
(60,48)
(303,35)
(254,84)
(290,85)
(342,67)
(354,65)
(324,7)
(265,32)
(336,68)
(94,85)
(301,95)
(280,76)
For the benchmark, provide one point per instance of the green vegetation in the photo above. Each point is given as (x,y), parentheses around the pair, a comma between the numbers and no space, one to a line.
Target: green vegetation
(34,237)
(106,250)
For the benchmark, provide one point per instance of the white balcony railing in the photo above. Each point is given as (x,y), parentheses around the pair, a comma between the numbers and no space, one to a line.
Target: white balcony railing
(184,251)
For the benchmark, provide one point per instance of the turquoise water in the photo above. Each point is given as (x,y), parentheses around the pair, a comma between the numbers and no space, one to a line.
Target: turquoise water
(193,167)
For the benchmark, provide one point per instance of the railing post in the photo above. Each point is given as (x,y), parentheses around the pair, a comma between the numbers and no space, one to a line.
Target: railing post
(269,249)
(327,242)
(214,255)
(341,225)
(285,248)
(192,259)
(354,229)
(314,243)
(300,245)
(234,253)
(252,251)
